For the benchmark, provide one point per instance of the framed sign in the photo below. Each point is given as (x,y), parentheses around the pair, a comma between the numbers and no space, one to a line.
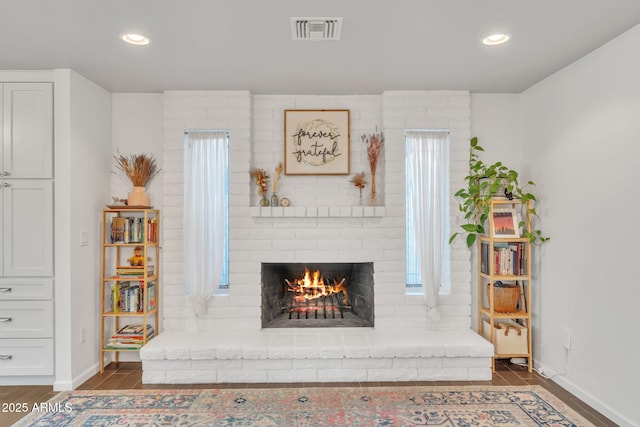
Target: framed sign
(316,142)
(505,223)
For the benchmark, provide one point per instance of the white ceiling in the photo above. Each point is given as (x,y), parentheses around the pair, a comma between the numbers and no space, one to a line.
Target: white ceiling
(246,44)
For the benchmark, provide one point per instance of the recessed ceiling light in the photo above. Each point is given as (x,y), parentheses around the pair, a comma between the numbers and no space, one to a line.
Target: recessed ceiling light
(135,39)
(495,39)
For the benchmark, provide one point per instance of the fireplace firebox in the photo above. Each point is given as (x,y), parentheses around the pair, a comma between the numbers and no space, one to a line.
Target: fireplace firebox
(303,295)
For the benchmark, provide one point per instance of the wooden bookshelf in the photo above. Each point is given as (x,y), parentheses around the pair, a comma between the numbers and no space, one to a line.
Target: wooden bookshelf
(129,293)
(506,261)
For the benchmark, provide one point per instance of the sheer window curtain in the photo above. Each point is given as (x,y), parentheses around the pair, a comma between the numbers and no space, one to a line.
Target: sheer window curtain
(206,189)
(427,169)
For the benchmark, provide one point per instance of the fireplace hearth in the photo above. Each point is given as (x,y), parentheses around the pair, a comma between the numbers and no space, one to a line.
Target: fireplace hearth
(317,295)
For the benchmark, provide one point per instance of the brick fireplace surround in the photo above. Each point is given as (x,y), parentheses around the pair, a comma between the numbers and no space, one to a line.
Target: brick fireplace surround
(323,224)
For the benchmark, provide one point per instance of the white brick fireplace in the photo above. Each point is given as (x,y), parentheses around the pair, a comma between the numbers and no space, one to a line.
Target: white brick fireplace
(323,224)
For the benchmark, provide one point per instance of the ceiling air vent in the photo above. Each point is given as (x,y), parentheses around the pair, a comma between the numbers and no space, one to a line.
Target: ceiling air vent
(316,29)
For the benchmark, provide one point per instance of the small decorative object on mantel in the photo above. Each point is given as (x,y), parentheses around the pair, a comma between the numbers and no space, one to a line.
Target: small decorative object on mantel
(262,181)
(274,185)
(139,169)
(359,181)
(374,142)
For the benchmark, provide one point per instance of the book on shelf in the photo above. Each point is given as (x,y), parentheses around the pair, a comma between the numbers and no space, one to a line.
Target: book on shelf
(151,297)
(133,332)
(484,257)
(508,258)
(128,229)
(128,296)
(134,271)
(111,345)
(130,337)
(152,230)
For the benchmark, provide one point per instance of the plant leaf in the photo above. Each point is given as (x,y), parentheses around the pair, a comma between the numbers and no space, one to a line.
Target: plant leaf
(469,227)
(471,239)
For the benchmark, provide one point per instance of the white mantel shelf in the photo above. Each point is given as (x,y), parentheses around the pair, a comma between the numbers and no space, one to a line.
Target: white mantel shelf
(318,211)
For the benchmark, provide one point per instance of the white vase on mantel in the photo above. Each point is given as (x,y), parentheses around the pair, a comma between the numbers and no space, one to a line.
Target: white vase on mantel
(138,197)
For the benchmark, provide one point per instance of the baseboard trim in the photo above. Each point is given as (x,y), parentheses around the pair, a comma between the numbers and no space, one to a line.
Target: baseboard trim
(585,396)
(76,381)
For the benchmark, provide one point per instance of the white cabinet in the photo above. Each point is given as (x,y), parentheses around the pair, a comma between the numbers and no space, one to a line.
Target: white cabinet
(26,357)
(18,289)
(26,319)
(26,230)
(26,211)
(27,130)
(26,189)
(26,326)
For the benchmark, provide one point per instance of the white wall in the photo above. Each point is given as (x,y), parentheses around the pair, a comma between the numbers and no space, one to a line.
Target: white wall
(82,145)
(495,120)
(581,139)
(137,128)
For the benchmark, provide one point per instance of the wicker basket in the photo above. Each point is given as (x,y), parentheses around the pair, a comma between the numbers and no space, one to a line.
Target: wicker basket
(505,297)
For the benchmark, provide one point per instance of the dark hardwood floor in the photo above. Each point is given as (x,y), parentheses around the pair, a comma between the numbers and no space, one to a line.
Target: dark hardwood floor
(128,375)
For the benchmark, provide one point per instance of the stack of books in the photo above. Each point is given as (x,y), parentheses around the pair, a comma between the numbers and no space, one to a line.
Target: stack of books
(130,337)
(129,296)
(130,230)
(132,272)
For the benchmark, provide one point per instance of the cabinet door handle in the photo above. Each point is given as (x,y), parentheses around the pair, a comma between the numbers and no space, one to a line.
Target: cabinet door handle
(6,357)
(6,173)
(5,319)
(5,290)
(6,184)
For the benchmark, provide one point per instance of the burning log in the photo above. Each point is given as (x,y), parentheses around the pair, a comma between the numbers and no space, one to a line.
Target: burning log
(312,288)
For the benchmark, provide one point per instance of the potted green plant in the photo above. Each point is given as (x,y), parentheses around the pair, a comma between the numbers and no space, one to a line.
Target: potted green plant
(484,182)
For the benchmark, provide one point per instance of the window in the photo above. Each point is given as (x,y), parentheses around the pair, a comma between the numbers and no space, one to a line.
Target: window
(206,212)
(427,210)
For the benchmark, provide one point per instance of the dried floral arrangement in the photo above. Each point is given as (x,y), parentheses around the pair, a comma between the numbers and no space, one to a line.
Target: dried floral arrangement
(139,168)
(276,178)
(374,143)
(262,180)
(359,180)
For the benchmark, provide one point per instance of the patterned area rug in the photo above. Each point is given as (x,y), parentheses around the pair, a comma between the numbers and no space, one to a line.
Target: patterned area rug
(343,406)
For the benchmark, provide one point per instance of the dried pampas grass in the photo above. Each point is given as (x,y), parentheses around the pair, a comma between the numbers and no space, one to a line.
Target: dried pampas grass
(374,143)
(274,183)
(139,168)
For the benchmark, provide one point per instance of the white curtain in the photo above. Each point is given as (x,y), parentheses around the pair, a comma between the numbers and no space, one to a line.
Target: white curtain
(427,166)
(206,185)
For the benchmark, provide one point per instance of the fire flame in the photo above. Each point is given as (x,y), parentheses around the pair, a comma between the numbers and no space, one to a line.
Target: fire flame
(312,286)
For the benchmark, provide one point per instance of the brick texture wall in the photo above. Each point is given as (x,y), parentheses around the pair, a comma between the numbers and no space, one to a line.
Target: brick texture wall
(256,125)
